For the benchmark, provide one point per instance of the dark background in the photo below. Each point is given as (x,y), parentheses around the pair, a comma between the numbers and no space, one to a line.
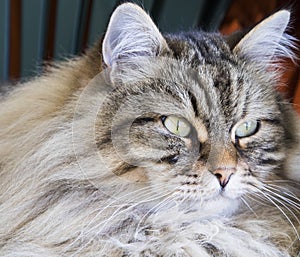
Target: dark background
(34,32)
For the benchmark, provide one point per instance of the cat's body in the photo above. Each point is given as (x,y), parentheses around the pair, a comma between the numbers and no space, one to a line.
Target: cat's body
(93,169)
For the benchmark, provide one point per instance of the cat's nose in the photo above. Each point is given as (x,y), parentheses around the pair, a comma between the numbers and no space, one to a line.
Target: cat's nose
(223,175)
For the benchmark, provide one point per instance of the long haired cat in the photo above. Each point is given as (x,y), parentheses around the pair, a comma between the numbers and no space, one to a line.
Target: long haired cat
(152,145)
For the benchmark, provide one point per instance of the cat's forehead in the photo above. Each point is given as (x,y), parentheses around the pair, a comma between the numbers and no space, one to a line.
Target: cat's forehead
(210,56)
(198,48)
(233,86)
(200,74)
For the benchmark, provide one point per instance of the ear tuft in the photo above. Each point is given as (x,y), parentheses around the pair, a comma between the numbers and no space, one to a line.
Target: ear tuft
(131,33)
(268,41)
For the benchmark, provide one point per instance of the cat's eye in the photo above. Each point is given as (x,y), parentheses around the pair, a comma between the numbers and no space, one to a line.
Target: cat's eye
(247,129)
(177,125)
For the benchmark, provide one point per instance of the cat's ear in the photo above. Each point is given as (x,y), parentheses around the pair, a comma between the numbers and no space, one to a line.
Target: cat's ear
(267,40)
(130,33)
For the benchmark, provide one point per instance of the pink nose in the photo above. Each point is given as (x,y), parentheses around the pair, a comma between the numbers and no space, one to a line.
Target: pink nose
(223,175)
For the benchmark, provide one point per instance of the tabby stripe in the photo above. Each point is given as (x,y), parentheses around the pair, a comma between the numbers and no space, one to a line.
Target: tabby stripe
(143,120)
(194,103)
(269,161)
(123,168)
(268,146)
(171,159)
(272,121)
(104,141)
(272,149)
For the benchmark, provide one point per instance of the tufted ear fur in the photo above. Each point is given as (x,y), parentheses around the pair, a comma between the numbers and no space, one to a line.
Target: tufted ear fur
(267,40)
(130,33)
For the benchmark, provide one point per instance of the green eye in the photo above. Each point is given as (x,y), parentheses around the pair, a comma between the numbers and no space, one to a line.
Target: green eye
(177,125)
(247,128)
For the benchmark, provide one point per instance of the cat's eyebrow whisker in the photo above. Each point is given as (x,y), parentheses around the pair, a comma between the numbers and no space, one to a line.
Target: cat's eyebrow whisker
(281,210)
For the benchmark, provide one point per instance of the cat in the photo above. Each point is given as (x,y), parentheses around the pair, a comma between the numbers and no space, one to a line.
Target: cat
(154,145)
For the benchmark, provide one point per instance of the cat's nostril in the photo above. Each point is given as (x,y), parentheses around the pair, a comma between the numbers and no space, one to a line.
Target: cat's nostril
(218,175)
(223,175)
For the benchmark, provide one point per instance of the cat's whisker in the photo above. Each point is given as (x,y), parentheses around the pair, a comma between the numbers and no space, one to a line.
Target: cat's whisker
(265,198)
(282,190)
(134,193)
(249,207)
(283,202)
(275,198)
(153,210)
(289,201)
(150,193)
(287,208)
(142,191)
(281,210)
(258,198)
(110,205)
(116,212)
(104,222)
(282,181)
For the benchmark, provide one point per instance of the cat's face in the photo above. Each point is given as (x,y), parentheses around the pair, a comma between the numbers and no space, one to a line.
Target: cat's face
(192,138)
(190,117)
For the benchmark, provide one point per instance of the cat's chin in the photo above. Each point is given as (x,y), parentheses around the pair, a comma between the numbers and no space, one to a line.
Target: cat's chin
(225,201)
(221,205)
(218,205)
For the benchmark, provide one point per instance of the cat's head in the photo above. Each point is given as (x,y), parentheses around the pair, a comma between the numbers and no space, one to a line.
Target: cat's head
(192,116)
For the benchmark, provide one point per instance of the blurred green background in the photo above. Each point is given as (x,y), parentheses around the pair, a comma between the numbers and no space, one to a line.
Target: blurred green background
(32,31)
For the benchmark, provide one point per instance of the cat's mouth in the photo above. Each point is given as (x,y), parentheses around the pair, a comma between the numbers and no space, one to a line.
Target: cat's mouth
(215,202)
(225,193)
(213,191)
